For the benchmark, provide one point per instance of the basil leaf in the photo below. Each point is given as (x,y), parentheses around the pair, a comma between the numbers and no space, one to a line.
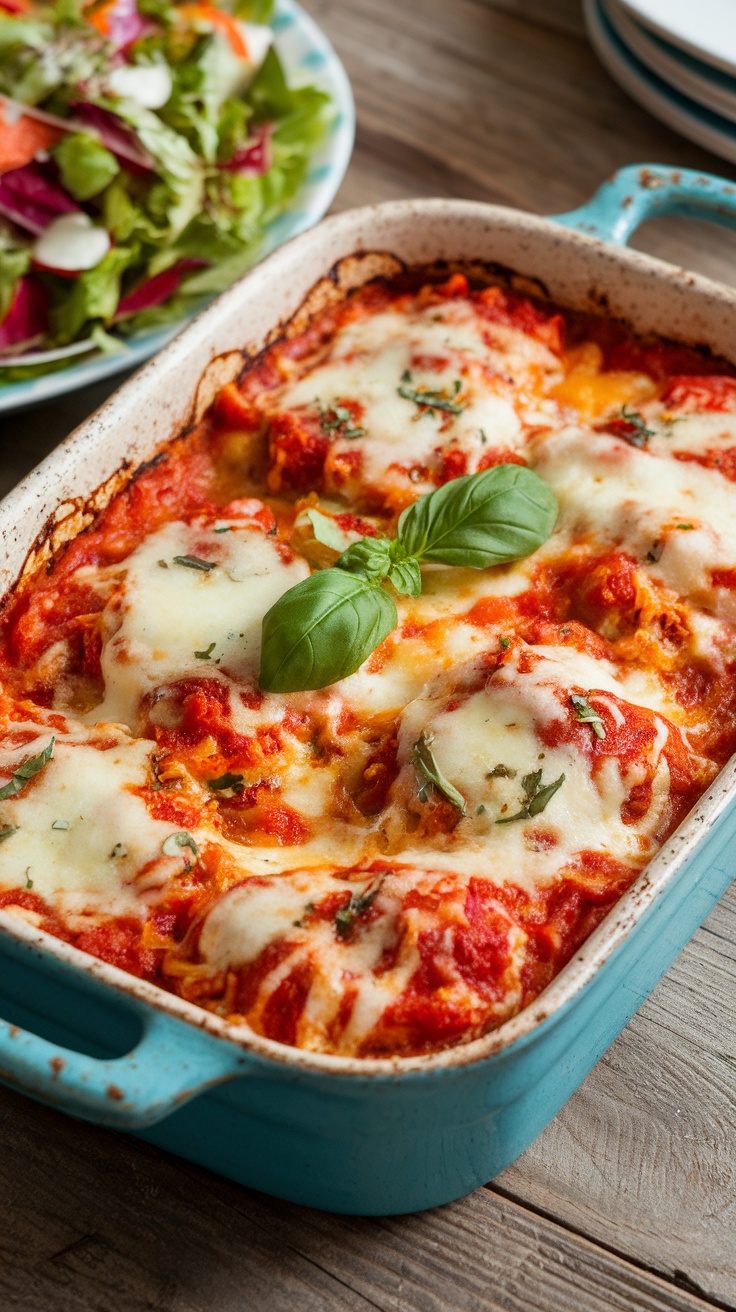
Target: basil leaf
(7,831)
(195,562)
(322,629)
(406,577)
(544,795)
(536,797)
(26,771)
(172,845)
(425,763)
(587,714)
(482,519)
(228,780)
(370,557)
(326,530)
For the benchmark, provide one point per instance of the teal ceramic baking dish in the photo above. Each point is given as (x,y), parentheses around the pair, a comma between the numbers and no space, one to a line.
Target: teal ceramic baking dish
(386,1136)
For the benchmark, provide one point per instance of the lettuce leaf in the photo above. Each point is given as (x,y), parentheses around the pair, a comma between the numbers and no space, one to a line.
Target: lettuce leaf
(93,295)
(13,264)
(86,166)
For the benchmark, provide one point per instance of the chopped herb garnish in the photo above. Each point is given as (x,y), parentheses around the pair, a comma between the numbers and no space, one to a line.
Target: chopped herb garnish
(338,419)
(633,429)
(60,824)
(227,529)
(686,526)
(194,562)
(26,771)
(480,810)
(656,552)
(119,850)
(483,438)
(347,915)
(431,400)
(501,771)
(234,781)
(536,797)
(587,714)
(504,644)
(426,765)
(6,832)
(164,564)
(205,655)
(175,842)
(29,881)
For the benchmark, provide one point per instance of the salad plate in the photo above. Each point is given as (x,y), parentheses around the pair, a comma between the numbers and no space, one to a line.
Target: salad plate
(307,58)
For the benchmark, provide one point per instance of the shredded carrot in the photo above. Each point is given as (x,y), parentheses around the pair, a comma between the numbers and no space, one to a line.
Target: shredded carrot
(99,16)
(20,141)
(228,25)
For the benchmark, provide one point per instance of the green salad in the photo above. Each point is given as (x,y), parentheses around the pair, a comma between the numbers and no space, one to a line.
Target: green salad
(144,147)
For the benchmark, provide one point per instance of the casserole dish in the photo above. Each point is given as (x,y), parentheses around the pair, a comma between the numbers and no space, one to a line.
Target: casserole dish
(384,1135)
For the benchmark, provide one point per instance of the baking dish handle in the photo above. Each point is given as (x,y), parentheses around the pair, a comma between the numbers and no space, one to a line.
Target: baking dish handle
(647,191)
(171,1062)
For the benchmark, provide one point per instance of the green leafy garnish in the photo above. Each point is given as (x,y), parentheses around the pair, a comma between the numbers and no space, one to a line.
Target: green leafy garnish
(338,419)
(86,166)
(29,881)
(175,842)
(205,655)
(60,824)
(347,915)
(26,771)
(195,562)
(326,530)
(322,629)
(536,797)
(426,765)
(234,781)
(501,771)
(633,429)
(7,831)
(431,400)
(686,526)
(587,714)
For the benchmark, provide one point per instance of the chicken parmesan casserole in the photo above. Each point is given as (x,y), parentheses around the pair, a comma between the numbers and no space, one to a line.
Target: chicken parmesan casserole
(402,858)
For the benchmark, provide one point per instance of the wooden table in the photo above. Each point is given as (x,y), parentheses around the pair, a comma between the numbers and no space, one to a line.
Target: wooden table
(627,1201)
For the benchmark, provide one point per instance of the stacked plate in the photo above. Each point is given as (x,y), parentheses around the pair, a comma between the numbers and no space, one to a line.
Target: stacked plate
(677,58)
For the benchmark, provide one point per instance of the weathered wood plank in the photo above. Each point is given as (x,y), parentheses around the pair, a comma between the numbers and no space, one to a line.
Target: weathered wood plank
(95,1221)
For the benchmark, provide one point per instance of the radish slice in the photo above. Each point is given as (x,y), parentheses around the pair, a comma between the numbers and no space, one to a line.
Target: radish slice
(31,197)
(255,157)
(71,244)
(156,290)
(148,85)
(27,319)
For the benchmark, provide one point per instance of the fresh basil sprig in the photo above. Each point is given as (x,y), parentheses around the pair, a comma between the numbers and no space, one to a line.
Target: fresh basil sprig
(323,628)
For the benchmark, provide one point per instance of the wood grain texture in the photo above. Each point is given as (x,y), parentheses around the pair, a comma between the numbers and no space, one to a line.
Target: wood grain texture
(94,1222)
(499,100)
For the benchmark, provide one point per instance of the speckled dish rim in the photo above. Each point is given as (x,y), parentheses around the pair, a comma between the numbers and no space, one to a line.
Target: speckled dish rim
(573,269)
(308,57)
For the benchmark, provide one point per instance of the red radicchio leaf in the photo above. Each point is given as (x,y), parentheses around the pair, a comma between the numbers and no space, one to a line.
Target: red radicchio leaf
(120,140)
(31,197)
(27,318)
(156,290)
(11,7)
(255,157)
(125,25)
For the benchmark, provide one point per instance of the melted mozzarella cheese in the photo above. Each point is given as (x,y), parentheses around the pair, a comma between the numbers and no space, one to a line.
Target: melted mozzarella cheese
(81,834)
(498,726)
(438,347)
(622,496)
(166,612)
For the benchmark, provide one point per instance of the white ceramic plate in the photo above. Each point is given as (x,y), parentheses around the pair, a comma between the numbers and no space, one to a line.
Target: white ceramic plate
(705,28)
(676,110)
(709,86)
(307,56)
